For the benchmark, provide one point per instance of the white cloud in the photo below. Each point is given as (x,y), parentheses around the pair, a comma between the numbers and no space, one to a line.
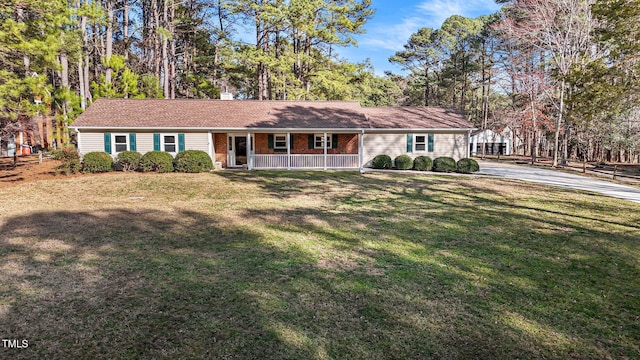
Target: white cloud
(391,36)
(432,13)
(437,11)
(387,34)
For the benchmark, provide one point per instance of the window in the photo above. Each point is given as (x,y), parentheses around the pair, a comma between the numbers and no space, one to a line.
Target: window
(319,139)
(120,142)
(421,143)
(280,141)
(170,143)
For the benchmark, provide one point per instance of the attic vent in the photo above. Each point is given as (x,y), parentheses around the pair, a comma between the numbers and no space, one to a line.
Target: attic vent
(226,96)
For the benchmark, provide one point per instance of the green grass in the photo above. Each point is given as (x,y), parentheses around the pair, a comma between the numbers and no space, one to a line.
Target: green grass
(316,265)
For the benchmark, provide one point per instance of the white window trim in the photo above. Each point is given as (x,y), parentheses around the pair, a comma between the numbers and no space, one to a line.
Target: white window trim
(162,143)
(113,143)
(426,143)
(275,146)
(327,140)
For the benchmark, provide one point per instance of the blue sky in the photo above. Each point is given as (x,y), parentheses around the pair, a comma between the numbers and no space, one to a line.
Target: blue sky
(395,21)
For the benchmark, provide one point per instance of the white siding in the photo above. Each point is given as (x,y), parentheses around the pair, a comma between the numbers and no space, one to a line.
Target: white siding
(94,141)
(91,141)
(451,145)
(196,141)
(144,142)
(444,144)
(388,144)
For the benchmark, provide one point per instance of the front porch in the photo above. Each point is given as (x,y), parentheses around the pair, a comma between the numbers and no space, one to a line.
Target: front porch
(303,161)
(261,151)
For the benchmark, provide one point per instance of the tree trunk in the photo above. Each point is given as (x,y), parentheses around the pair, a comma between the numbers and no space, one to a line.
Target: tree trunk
(108,42)
(82,58)
(64,81)
(83,96)
(125,29)
(558,124)
(426,86)
(534,121)
(172,69)
(165,57)
(156,39)
(565,144)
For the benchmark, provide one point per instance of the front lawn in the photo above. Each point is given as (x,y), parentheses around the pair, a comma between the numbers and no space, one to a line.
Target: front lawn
(316,265)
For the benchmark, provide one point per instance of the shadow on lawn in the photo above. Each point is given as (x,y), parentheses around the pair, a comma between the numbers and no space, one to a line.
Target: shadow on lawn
(533,280)
(350,279)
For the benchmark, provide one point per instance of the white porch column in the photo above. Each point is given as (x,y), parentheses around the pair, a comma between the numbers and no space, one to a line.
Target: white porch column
(361,150)
(288,151)
(249,146)
(210,146)
(325,151)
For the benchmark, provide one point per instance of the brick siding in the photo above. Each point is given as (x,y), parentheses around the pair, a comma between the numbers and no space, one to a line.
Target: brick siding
(347,144)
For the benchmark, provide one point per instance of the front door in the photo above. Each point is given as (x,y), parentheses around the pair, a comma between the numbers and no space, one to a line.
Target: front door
(237,150)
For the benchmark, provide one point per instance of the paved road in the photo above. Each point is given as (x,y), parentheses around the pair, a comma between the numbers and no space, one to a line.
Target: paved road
(560,178)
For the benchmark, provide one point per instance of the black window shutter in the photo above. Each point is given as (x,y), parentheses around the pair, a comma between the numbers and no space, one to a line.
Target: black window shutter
(290,141)
(270,141)
(311,141)
(334,141)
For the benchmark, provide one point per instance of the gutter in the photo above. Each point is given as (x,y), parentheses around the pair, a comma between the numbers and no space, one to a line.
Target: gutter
(271,130)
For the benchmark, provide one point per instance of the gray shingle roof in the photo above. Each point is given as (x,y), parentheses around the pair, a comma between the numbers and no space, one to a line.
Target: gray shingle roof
(249,114)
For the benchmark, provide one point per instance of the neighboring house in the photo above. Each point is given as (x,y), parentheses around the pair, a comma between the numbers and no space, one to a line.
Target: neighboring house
(8,147)
(272,134)
(35,136)
(495,143)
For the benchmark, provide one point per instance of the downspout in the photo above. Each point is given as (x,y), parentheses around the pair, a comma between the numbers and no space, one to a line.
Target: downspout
(468,143)
(78,143)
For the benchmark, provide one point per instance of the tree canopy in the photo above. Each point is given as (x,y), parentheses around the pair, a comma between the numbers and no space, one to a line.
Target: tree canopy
(562,74)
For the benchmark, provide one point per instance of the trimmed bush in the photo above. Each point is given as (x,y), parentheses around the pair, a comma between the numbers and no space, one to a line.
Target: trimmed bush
(382,162)
(422,163)
(156,161)
(467,166)
(69,160)
(192,161)
(97,162)
(444,164)
(403,162)
(128,160)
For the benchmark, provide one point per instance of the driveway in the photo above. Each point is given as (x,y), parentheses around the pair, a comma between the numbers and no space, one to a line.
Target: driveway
(560,178)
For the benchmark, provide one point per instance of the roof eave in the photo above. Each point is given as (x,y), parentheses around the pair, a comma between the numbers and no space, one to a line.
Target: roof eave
(270,130)
(382,130)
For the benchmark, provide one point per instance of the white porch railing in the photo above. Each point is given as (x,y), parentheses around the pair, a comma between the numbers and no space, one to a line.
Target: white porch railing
(269,161)
(296,161)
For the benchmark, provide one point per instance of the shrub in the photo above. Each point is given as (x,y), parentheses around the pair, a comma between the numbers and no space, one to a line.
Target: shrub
(69,161)
(467,166)
(157,161)
(404,162)
(192,161)
(96,162)
(381,162)
(128,160)
(422,163)
(444,164)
